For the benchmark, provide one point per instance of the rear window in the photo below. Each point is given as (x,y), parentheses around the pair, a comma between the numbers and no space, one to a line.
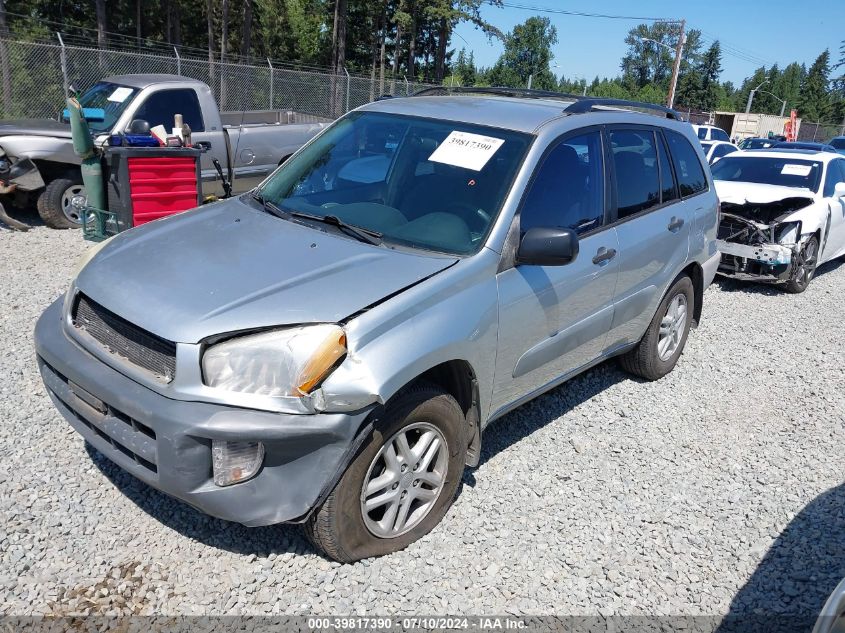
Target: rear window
(688,169)
(719,134)
(785,172)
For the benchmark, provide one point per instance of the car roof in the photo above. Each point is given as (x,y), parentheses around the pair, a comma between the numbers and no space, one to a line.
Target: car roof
(144,80)
(510,113)
(780,152)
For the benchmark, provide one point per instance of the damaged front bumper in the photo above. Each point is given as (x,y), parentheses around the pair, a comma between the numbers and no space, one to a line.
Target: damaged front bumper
(752,251)
(21,174)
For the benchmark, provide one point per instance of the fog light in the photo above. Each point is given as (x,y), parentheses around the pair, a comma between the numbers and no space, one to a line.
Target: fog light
(234,462)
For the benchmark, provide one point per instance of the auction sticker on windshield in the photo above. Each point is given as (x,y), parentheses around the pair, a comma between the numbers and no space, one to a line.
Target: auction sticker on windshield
(796,170)
(470,151)
(119,95)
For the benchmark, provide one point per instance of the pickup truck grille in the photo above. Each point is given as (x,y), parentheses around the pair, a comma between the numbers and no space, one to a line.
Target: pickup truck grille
(123,339)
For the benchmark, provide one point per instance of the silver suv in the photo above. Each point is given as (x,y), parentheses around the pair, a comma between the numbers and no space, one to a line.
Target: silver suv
(329,348)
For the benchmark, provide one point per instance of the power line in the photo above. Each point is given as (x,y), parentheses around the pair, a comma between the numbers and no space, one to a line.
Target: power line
(582,14)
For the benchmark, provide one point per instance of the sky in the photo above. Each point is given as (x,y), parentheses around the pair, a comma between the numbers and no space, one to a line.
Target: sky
(752,33)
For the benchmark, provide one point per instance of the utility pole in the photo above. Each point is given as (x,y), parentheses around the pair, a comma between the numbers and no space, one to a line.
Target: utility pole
(679,50)
(751,96)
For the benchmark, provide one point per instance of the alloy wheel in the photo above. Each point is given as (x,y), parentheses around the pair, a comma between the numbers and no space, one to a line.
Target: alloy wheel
(672,327)
(404,480)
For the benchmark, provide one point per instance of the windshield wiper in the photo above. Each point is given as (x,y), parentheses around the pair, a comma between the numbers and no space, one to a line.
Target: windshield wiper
(269,207)
(364,235)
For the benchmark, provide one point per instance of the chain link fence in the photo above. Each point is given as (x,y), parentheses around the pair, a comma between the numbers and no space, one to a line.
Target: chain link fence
(819,132)
(34,78)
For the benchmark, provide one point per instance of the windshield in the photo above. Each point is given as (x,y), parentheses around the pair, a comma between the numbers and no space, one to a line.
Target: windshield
(759,143)
(436,185)
(702,132)
(112,98)
(786,172)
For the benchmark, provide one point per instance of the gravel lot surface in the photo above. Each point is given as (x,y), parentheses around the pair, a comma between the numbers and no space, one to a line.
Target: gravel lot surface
(717,488)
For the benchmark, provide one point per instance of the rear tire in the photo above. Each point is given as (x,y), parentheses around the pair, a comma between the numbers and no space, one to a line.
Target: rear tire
(805,267)
(55,204)
(344,530)
(658,351)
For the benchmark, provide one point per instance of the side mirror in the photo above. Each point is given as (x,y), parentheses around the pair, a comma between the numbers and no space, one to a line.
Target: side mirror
(139,126)
(203,146)
(839,190)
(547,247)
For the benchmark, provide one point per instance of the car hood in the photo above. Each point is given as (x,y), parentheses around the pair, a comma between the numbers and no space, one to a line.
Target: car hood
(742,192)
(35,127)
(229,267)
(764,204)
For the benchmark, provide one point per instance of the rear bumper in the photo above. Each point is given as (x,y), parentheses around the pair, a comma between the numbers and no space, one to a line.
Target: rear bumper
(167,443)
(709,269)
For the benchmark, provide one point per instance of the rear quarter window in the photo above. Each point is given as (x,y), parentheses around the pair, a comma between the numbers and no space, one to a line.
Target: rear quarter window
(688,169)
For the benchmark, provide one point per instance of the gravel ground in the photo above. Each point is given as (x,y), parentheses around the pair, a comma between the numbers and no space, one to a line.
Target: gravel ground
(717,488)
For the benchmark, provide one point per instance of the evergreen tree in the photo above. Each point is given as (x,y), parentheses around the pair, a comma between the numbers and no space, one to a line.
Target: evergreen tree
(814,98)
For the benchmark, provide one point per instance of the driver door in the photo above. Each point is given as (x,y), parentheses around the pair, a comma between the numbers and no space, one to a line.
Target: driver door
(834,245)
(555,319)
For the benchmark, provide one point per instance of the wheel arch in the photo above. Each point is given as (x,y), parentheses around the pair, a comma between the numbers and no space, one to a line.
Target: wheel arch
(457,378)
(696,273)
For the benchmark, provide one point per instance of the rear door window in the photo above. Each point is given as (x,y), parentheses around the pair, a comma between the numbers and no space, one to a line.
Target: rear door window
(568,188)
(688,169)
(637,173)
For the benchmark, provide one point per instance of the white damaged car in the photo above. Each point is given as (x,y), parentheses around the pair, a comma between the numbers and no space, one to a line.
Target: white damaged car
(783,214)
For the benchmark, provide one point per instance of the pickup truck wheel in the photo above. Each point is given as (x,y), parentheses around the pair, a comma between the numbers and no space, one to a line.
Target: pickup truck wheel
(804,267)
(661,346)
(400,484)
(57,204)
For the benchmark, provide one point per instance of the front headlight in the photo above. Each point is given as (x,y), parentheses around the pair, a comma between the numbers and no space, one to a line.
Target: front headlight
(289,362)
(87,256)
(787,233)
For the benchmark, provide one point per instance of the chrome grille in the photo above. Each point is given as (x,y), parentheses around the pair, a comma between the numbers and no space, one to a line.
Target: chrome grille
(126,340)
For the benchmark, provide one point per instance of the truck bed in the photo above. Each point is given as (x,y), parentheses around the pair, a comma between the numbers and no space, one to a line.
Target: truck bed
(269,117)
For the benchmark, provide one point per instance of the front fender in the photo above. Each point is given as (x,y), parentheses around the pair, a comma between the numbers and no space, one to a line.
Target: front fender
(451,316)
(58,150)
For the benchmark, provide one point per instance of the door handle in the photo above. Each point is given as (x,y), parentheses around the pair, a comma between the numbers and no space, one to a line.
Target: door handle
(604,255)
(675,224)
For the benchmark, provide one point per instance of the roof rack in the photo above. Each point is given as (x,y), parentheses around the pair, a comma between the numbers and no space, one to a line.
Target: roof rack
(590,104)
(524,93)
(581,103)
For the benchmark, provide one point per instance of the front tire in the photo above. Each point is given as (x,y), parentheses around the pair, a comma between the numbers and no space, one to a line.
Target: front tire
(56,204)
(402,482)
(804,267)
(661,346)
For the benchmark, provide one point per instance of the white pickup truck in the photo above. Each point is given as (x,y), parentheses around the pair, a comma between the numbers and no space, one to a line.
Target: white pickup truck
(248,144)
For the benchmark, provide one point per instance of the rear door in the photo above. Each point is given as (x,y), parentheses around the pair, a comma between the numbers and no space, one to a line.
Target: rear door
(653,224)
(554,319)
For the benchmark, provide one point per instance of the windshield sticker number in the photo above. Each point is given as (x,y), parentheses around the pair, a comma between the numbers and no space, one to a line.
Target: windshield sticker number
(796,170)
(470,151)
(119,95)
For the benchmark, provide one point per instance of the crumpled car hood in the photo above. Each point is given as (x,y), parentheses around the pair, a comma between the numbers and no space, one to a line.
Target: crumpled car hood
(742,192)
(35,127)
(763,203)
(229,267)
